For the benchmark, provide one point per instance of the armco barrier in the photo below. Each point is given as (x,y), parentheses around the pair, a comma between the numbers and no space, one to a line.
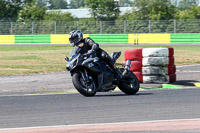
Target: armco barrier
(7,39)
(26,39)
(154,38)
(110,38)
(185,38)
(59,39)
(104,38)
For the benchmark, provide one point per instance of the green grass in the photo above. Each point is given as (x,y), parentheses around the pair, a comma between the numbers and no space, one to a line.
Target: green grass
(21,60)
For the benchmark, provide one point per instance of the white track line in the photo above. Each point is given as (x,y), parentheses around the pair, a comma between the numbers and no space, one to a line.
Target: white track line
(171,120)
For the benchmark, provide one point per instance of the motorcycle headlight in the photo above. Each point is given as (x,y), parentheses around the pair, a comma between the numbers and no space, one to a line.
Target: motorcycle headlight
(68,66)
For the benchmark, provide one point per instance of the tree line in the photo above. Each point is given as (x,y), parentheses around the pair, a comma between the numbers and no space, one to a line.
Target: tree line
(36,10)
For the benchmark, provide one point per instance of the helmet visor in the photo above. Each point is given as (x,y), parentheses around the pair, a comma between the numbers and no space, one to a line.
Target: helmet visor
(72,40)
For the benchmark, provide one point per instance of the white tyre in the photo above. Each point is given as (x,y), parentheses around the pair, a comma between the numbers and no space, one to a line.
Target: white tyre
(159,79)
(154,70)
(155,61)
(155,52)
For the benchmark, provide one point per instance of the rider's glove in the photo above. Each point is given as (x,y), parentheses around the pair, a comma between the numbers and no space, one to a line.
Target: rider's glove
(90,52)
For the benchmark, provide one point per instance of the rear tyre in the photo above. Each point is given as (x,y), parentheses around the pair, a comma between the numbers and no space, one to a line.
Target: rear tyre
(129,84)
(85,88)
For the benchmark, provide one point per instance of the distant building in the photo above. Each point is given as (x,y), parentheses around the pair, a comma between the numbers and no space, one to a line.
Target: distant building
(85,13)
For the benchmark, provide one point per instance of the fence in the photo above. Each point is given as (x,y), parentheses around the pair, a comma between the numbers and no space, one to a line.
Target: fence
(101,27)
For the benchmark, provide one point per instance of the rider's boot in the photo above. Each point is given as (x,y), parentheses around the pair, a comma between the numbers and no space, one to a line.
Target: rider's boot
(117,73)
(109,61)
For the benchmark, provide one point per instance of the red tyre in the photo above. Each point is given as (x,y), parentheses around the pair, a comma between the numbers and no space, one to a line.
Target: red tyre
(133,54)
(136,66)
(171,51)
(171,69)
(139,76)
(172,78)
(171,60)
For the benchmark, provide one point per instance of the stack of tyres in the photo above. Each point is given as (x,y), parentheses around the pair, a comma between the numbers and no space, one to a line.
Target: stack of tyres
(153,65)
(158,65)
(135,55)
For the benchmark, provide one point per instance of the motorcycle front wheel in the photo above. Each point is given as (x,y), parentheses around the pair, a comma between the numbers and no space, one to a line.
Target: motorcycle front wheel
(129,84)
(86,88)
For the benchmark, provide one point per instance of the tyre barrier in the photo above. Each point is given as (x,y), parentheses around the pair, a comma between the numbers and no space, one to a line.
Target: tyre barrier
(172,77)
(171,51)
(158,79)
(155,52)
(154,70)
(155,61)
(133,54)
(152,65)
(139,75)
(137,66)
(171,69)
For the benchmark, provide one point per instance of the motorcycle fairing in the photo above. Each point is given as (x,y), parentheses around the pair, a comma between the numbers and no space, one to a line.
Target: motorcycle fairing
(104,73)
(115,55)
(92,64)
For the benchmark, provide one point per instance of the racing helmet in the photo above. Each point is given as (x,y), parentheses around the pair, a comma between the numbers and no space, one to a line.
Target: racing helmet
(75,37)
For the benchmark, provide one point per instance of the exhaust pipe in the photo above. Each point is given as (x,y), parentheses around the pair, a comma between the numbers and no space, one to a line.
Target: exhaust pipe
(127,66)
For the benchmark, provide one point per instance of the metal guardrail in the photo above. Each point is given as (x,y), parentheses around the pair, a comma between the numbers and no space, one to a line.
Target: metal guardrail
(101,27)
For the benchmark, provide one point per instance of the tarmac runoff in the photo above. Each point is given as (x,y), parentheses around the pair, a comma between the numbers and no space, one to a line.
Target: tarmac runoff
(144,87)
(162,87)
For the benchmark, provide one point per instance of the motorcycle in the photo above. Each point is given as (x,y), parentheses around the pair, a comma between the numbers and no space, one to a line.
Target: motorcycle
(91,75)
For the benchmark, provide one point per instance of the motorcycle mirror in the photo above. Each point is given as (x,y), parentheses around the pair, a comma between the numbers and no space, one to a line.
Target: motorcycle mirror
(66,58)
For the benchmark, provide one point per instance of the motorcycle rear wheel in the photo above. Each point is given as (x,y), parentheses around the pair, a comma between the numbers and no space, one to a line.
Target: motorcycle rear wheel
(129,84)
(85,88)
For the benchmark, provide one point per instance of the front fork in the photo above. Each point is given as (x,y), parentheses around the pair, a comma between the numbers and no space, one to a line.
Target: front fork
(85,76)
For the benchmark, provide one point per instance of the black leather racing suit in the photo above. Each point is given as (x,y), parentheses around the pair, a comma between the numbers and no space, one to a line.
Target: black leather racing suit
(89,44)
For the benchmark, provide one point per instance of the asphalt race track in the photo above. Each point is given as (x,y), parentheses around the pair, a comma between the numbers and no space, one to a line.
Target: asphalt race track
(113,107)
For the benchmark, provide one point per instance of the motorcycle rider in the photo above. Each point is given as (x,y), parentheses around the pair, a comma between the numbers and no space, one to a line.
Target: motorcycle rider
(89,46)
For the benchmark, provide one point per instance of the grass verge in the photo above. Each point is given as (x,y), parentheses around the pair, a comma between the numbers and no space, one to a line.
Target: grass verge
(22,60)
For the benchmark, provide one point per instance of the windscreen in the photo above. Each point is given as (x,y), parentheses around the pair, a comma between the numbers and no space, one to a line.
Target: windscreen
(73,53)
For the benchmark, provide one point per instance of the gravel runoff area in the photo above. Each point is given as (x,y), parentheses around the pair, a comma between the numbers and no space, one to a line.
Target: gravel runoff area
(62,82)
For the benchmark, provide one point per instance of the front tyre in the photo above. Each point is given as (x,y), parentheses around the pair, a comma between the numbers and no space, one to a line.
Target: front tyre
(129,84)
(85,88)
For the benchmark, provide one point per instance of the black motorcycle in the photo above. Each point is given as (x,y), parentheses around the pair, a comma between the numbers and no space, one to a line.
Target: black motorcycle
(91,75)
